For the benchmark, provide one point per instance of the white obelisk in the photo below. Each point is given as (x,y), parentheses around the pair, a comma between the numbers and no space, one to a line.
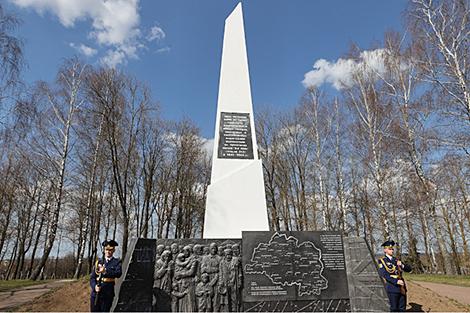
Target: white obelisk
(235,198)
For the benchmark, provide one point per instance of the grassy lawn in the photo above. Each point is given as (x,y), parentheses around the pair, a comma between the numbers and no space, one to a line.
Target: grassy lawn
(441,279)
(6,285)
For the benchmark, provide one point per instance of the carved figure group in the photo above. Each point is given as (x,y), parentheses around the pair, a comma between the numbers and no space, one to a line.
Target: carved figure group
(198,278)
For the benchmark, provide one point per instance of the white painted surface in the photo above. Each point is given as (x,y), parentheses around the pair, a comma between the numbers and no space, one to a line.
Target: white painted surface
(236,198)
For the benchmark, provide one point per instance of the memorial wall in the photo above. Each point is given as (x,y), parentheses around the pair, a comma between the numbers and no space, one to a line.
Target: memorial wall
(264,271)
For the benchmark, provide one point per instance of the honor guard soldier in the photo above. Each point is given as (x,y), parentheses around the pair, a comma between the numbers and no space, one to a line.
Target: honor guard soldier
(103,278)
(391,269)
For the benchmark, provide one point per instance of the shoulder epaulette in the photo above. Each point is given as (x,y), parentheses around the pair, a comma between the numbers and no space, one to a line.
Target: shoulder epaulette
(390,270)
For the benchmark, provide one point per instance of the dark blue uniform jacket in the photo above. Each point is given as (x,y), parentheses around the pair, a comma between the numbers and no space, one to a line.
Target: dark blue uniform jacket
(113,270)
(390,273)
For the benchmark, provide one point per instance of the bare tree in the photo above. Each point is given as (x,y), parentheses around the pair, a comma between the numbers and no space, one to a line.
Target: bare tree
(339,168)
(373,123)
(11,56)
(266,133)
(297,148)
(152,144)
(123,102)
(92,140)
(441,30)
(319,123)
(55,126)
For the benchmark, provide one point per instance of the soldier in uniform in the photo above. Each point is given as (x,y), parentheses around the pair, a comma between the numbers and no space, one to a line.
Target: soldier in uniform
(391,269)
(103,277)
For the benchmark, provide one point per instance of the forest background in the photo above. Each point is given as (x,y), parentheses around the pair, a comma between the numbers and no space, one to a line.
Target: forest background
(90,157)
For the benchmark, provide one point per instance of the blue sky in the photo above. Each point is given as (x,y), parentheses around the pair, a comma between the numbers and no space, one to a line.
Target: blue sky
(175,46)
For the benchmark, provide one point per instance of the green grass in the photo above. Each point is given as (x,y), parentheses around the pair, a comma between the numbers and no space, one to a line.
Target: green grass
(6,285)
(462,280)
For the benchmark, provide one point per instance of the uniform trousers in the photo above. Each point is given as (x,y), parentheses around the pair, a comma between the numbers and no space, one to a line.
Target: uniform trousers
(397,302)
(105,298)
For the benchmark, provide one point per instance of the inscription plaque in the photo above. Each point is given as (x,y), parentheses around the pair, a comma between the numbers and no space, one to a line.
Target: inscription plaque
(294,266)
(235,136)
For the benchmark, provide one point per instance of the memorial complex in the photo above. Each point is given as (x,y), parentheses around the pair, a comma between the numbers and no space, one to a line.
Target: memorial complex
(240,265)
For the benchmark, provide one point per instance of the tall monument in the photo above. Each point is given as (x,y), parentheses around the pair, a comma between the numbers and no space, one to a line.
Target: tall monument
(278,271)
(236,197)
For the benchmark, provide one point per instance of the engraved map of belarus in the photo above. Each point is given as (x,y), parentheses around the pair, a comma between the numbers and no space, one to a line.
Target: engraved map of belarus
(286,263)
(293,266)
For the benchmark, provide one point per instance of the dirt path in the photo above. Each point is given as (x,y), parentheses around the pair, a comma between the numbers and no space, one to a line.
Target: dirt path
(460,294)
(75,297)
(14,298)
(423,299)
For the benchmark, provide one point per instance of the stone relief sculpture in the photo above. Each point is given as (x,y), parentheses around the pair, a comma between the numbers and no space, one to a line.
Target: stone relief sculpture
(204,294)
(198,278)
(237,260)
(176,296)
(183,277)
(162,286)
(210,265)
(227,282)
(197,255)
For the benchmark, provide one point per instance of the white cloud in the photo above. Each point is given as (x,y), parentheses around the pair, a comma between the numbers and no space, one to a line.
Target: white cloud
(114,58)
(374,60)
(114,23)
(163,50)
(208,146)
(340,74)
(84,49)
(68,11)
(156,33)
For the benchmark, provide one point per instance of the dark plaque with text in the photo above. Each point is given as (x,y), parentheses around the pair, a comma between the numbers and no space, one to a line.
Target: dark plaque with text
(294,266)
(235,136)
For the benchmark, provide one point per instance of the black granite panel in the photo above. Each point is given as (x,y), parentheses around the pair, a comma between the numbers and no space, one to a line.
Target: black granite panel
(235,140)
(134,291)
(293,266)
(366,289)
(337,305)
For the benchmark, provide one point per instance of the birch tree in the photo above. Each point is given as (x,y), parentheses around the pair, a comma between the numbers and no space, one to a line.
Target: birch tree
(11,58)
(372,116)
(441,30)
(55,142)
